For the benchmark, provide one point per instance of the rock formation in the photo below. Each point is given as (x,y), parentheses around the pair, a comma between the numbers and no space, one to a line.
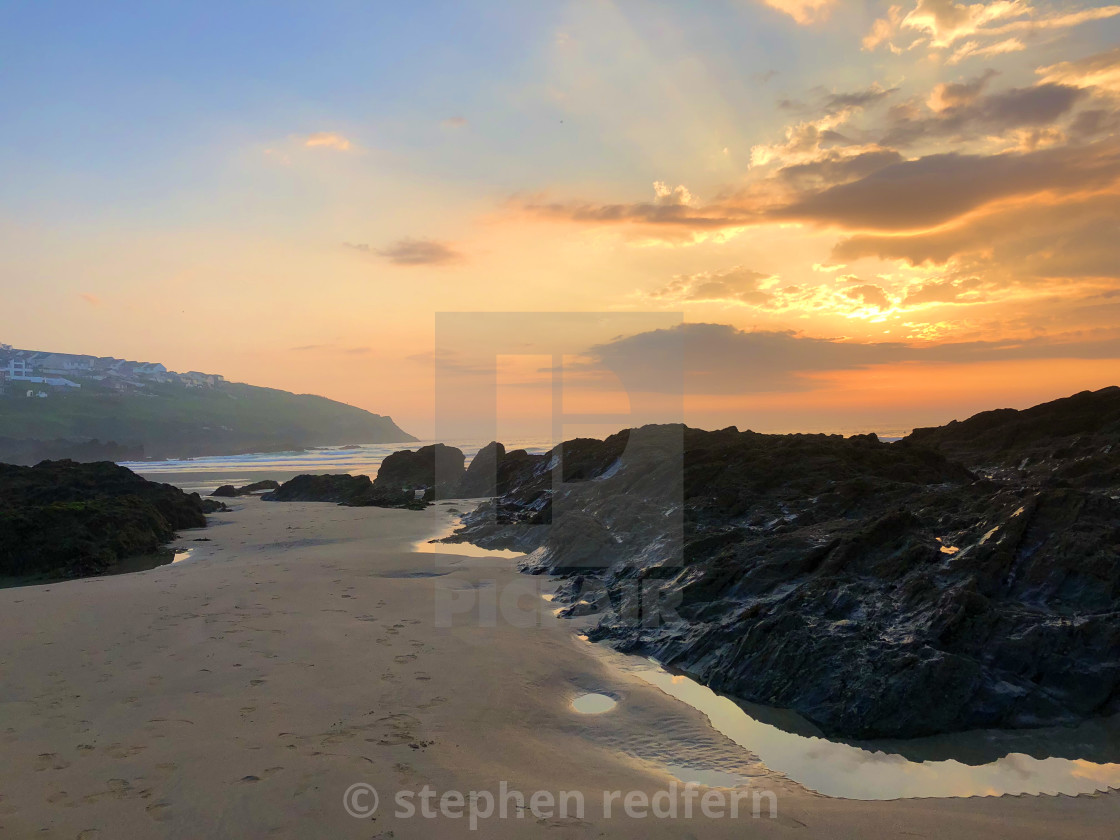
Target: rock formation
(881,590)
(64,519)
(228,491)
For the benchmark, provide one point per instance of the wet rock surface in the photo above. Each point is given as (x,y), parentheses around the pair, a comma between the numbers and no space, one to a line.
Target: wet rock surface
(62,519)
(880,590)
(228,491)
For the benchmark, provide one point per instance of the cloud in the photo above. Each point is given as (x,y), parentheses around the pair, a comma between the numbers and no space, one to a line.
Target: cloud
(410,251)
(837,168)
(666,196)
(936,189)
(973,49)
(91,299)
(883,28)
(805,141)
(1033,243)
(455,122)
(736,286)
(327,140)
(939,24)
(803,11)
(943,291)
(958,94)
(907,195)
(998,112)
(1101,71)
(869,295)
(945,21)
(720,359)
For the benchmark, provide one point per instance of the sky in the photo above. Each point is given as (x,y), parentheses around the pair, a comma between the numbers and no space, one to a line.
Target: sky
(786,215)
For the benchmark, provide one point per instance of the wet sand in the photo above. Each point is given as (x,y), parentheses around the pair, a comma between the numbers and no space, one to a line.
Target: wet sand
(305,648)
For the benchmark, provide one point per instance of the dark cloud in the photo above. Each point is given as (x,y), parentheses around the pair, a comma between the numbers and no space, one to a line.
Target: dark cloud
(938,188)
(865,98)
(879,190)
(835,168)
(958,94)
(720,359)
(1029,107)
(409,251)
(828,103)
(1094,123)
(1028,242)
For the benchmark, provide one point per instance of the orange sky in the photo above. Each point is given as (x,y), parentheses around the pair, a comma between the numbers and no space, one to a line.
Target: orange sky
(889,215)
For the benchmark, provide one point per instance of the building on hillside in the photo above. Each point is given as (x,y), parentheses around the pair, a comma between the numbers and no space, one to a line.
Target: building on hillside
(197,380)
(17,368)
(57,381)
(65,363)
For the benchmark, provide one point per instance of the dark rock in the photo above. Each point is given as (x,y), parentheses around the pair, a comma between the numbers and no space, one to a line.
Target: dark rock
(340,489)
(228,491)
(401,478)
(436,470)
(65,519)
(881,590)
(1074,440)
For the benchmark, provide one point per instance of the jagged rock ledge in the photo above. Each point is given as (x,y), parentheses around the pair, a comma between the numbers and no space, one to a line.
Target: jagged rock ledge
(880,590)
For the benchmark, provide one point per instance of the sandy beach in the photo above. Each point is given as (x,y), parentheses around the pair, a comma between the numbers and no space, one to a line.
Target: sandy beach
(306,648)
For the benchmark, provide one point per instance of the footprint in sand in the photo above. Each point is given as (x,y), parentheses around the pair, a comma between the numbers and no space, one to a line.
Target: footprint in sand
(121,751)
(51,761)
(405,658)
(117,788)
(159,811)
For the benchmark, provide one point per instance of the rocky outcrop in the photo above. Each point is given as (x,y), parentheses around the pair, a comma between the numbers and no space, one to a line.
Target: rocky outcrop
(64,519)
(881,590)
(340,489)
(494,471)
(436,469)
(1074,440)
(406,479)
(228,491)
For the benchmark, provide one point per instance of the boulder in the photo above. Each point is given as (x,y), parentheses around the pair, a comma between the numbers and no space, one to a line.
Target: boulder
(66,519)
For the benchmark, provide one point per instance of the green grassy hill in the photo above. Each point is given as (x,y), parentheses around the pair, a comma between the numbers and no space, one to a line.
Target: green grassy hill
(175,421)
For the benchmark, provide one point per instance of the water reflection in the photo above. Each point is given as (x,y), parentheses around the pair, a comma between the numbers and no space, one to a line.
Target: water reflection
(870,771)
(593,704)
(434,545)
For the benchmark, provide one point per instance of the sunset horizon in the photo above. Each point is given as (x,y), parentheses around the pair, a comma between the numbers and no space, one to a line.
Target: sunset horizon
(909,212)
